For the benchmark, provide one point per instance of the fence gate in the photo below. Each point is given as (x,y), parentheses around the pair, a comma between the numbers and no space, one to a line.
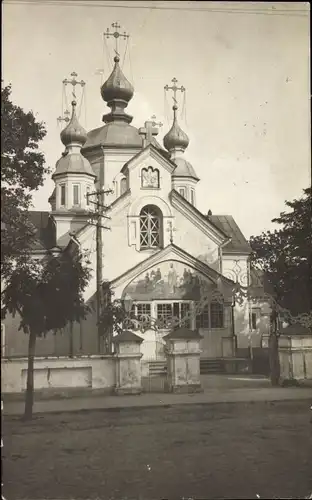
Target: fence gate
(154,370)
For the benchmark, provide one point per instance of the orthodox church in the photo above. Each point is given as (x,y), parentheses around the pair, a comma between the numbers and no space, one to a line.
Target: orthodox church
(161,254)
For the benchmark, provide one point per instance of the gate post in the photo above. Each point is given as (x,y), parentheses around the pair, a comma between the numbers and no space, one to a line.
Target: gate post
(183,360)
(128,363)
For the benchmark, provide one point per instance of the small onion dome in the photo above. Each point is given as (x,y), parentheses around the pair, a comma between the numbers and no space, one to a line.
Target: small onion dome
(74,132)
(175,138)
(117,87)
(184,169)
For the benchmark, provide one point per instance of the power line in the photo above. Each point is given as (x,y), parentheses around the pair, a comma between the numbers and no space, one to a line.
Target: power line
(272,12)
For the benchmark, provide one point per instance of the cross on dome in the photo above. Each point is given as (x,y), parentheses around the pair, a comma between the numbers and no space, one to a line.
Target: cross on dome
(116,34)
(149,130)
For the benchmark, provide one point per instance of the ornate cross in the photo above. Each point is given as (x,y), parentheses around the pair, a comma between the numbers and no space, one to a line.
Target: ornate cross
(64,118)
(171,230)
(149,130)
(174,88)
(73,82)
(116,34)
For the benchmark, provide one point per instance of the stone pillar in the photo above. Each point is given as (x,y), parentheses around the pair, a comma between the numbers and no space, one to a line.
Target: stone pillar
(183,360)
(128,363)
(295,356)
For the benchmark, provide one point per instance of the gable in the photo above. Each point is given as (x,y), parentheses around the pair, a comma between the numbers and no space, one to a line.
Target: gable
(170,273)
(150,152)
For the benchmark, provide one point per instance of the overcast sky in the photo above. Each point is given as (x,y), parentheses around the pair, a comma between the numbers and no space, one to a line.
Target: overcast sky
(245,66)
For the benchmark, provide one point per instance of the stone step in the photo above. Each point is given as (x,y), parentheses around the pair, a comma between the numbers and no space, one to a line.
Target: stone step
(157,368)
(208,366)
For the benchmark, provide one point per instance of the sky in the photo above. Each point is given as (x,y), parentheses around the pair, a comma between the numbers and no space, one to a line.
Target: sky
(245,67)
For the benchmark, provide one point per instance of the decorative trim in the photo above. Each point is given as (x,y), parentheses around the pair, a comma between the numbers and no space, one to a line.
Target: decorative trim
(168,253)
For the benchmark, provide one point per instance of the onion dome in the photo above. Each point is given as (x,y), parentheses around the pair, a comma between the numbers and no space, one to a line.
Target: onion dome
(117,91)
(184,169)
(73,137)
(175,138)
(74,133)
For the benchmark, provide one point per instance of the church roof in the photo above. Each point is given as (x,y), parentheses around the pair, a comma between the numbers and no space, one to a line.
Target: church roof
(116,134)
(73,163)
(45,234)
(184,169)
(228,225)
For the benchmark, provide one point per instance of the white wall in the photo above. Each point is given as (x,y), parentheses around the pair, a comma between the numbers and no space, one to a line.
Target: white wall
(96,372)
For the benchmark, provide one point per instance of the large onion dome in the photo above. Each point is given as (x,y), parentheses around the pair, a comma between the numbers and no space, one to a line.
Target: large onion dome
(74,133)
(117,87)
(175,138)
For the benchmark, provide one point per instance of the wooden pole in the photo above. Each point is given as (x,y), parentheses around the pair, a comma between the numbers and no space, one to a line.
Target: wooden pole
(99,251)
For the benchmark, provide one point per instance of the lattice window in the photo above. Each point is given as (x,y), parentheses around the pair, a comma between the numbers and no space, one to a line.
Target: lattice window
(202,319)
(164,314)
(174,314)
(217,315)
(150,227)
(185,318)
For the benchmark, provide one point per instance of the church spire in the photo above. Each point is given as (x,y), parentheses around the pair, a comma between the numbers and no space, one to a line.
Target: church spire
(117,91)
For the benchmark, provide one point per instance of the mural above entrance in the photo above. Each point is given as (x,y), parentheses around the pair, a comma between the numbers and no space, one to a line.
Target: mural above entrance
(170,280)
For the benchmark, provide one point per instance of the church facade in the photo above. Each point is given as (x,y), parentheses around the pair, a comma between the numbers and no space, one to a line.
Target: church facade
(162,256)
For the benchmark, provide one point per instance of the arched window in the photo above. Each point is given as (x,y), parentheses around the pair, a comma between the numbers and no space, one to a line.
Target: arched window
(123,185)
(150,227)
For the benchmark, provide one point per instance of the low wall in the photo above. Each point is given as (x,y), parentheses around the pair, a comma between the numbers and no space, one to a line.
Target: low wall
(96,372)
(295,357)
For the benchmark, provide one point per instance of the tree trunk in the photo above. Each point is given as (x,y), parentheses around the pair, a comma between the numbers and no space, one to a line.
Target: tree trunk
(274,359)
(273,348)
(71,339)
(29,401)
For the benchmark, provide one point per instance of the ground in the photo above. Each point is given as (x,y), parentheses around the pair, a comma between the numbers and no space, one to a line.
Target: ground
(231,450)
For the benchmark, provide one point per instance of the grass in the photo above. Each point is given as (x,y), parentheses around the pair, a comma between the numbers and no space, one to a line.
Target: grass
(198,451)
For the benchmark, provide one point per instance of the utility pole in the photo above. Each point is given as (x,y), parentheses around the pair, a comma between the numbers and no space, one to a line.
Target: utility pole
(99,215)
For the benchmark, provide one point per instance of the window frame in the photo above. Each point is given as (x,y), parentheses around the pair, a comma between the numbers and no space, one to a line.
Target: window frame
(76,185)
(152,230)
(192,196)
(205,319)
(63,195)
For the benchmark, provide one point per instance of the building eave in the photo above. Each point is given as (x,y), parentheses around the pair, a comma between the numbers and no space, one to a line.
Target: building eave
(197,218)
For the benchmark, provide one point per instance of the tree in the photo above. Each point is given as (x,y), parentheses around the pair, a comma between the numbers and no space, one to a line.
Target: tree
(22,171)
(47,295)
(284,256)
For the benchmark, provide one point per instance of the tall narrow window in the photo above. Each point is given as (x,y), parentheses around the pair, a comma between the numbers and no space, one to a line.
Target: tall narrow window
(150,227)
(192,196)
(217,315)
(76,194)
(123,185)
(182,192)
(88,195)
(63,195)
(202,319)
